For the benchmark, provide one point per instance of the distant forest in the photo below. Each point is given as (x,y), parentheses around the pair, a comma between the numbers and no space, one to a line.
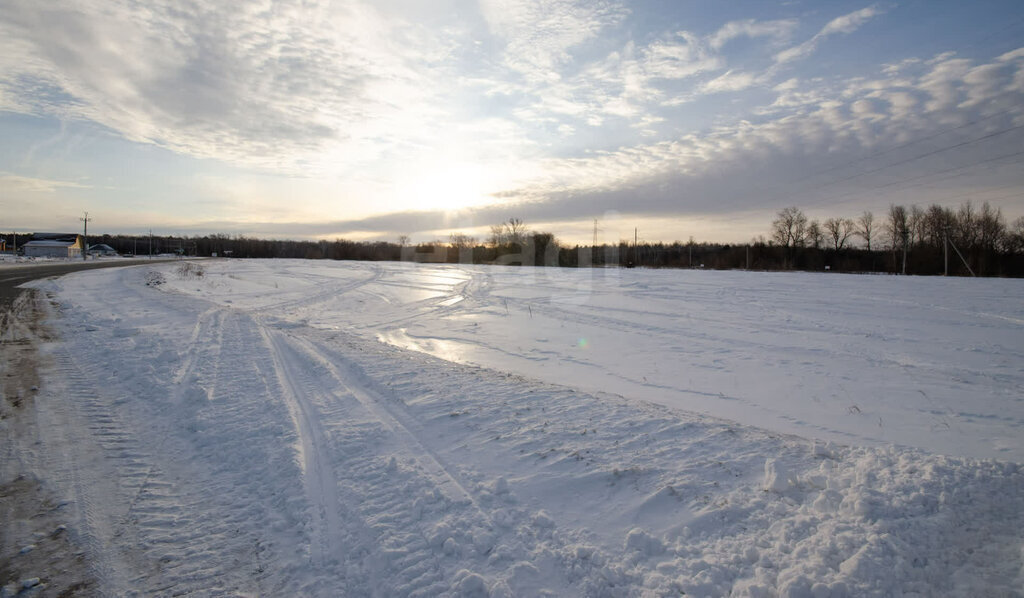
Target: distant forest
(923,241)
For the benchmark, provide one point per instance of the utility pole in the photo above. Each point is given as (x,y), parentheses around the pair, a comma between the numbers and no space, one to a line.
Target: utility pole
(85,236)
(945,251)
(906,239)
(150,243)
(963,259)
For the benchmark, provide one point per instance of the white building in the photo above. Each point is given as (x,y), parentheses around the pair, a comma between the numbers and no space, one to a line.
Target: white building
(53,245)
(102,249)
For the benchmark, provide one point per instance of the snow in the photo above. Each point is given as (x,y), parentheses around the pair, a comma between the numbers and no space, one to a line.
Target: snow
(325,428)
(931,363)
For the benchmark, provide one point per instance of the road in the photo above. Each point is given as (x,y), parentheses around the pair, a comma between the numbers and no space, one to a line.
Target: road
(12,278)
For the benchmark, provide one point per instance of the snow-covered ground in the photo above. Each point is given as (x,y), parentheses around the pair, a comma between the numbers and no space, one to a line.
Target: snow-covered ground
(325,428)
(931,363)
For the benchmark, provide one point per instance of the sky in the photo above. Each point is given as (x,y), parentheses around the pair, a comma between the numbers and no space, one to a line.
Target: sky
(589,119)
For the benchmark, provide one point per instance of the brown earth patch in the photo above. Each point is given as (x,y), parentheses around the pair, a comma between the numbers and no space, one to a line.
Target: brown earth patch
(38,555)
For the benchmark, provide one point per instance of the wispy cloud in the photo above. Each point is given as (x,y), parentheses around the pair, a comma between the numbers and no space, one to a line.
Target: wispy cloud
(270,85)
(779,31)
(842,119)
(13,182)
(539,34)
(730,81)
(847,23)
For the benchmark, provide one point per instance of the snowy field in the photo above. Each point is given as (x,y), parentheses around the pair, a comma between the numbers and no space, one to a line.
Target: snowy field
(358,429)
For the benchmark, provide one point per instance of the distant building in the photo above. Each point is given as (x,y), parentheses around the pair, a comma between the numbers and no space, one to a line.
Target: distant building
(54,245)
(102,249)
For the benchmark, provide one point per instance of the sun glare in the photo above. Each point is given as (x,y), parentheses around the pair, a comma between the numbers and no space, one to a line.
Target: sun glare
(446,186)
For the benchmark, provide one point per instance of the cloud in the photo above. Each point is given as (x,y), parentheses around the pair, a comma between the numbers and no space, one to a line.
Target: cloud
(849,146)
(539,34)
(845,24)
(730,81)
(269,85)
(726,167)
(560,109)
(15,183)
(682,56)
(779,30)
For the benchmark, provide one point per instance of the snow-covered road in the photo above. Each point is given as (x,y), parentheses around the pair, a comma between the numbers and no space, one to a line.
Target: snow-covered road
(523,432)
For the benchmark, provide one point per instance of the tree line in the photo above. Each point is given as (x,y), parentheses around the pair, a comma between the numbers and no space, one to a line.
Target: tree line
(914,240)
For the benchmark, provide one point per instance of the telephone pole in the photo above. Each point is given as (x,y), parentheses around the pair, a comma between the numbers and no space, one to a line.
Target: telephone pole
(636,247)
(85,236)
(906,240)
(945,251)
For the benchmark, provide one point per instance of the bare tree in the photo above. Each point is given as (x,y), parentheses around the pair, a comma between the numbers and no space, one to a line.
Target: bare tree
(839,230)
(403,240)
(1013,240)
(461,240)
(896,227)
(510,232)
(898,232)
(815,236)
(966,226)
(937,223)
(866,228)
(916,220)
(516,230)
(497,235)
(991,227)
(789,229)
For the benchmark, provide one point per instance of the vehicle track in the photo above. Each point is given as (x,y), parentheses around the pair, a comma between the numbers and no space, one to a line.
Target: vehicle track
(396,422)
(157,506)
(323,293)
(395,492)
(319,479)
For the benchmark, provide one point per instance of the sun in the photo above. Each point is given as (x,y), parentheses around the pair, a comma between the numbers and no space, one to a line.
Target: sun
(446,186)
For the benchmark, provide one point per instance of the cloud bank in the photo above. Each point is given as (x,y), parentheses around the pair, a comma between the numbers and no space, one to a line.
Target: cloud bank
(426,116)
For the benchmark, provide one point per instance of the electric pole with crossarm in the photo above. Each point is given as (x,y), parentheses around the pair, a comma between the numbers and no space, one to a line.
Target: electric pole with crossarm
(85,236)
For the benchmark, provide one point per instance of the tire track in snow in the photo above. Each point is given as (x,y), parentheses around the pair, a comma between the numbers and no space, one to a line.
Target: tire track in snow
(325,292)
(396,422)
(491,534)
(89,528)
(160,512)
(208,322)
(410,503)
(318,477)
(142,532)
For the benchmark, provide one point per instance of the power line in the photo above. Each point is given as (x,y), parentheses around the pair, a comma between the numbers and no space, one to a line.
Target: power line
(832,199)
(944,171)
(907,144)
(883,153)
(920,157)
